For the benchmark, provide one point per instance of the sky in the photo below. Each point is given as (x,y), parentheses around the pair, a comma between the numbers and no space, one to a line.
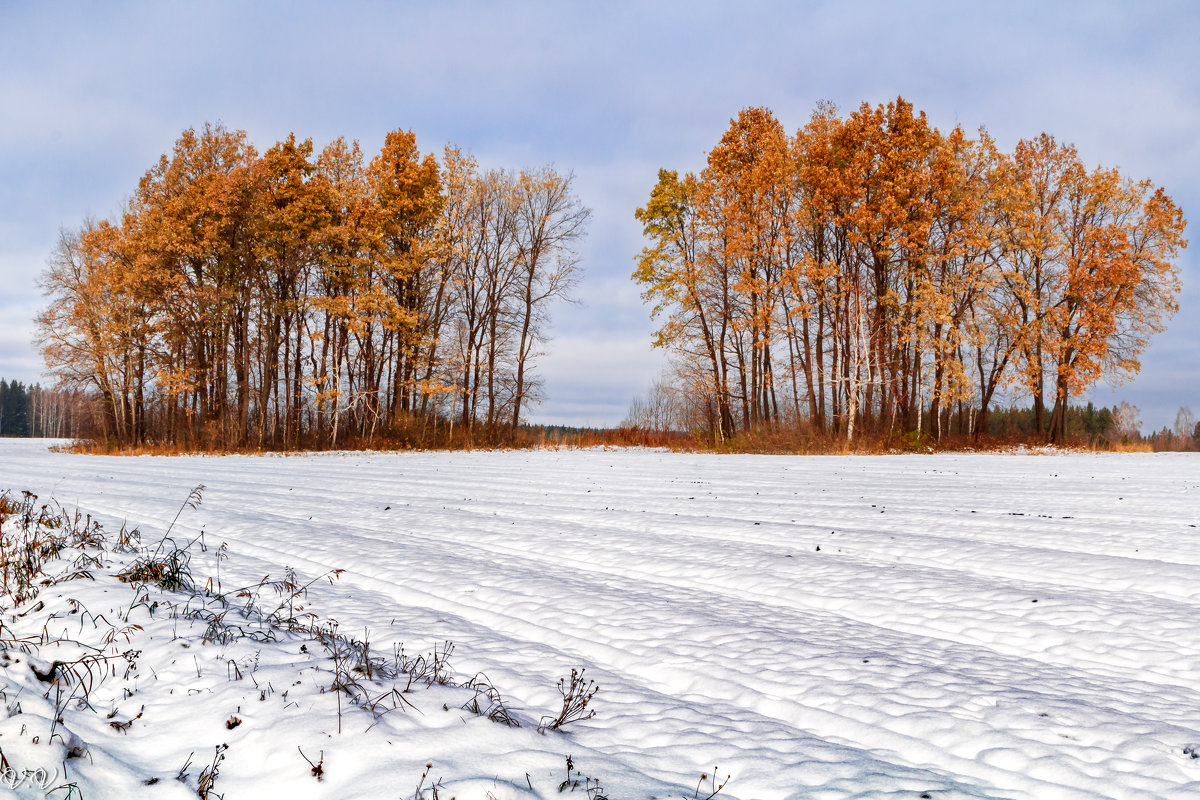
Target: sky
(92,94)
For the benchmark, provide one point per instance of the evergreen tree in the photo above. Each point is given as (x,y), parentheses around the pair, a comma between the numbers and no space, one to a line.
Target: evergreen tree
(14,410)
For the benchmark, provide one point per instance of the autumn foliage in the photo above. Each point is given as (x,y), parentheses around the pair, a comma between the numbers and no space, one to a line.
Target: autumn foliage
(293,297)
(870,273)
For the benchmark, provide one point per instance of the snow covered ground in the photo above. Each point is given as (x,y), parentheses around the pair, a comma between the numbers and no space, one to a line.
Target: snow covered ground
(952,626)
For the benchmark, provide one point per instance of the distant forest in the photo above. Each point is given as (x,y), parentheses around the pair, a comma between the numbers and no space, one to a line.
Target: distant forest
(33,411)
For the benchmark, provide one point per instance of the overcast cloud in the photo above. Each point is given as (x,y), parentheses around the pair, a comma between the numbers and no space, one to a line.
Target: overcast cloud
(92,94)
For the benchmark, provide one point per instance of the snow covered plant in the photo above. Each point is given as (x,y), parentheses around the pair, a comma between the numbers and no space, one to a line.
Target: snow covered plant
(353,670)
(430,668)
(713,788)
(169,564)
(33,535)
(488,702)
(209,775)
(432,792)
(591,786)
(576,695)
(33,538)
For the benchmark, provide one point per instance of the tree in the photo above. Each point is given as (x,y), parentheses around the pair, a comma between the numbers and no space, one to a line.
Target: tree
(410,201)
(737,201)
(14,409)
(659,411)
(1091,273)
(1120,284)
(94,332)
(344,290)
(1127,420)
(1185,422)
(680,280)
(550,220)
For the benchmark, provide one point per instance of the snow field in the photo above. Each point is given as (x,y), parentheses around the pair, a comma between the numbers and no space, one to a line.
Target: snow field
(984,626)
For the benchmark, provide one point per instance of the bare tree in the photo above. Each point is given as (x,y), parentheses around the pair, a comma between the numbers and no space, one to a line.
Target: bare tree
(1185,422)
(550,222)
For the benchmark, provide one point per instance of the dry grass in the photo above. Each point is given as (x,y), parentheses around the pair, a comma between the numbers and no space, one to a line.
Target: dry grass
(526,438)
(784,439)
(1131,447)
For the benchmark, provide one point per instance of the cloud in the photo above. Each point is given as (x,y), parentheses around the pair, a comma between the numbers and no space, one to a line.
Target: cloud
(591,380)
(18,361)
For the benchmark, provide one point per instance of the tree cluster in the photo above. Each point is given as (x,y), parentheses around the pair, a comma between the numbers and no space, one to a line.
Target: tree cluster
(872,273)
(297,297)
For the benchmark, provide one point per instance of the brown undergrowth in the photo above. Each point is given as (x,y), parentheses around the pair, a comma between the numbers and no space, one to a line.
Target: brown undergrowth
(781,440)
(527,438)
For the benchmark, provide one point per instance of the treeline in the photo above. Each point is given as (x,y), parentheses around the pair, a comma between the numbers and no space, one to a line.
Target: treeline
(1088,423)
(872,274)
(655,420)
(296,297)
(32,411)
(1101,428)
